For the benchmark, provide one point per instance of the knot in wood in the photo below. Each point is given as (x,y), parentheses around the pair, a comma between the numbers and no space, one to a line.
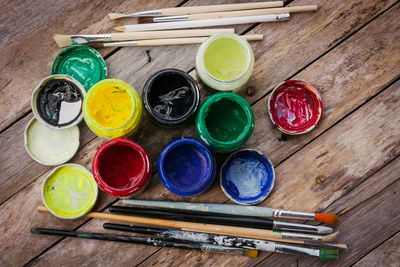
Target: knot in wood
(320,179)
(250,90)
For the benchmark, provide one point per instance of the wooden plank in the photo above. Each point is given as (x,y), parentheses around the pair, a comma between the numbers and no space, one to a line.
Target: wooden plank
(387,254)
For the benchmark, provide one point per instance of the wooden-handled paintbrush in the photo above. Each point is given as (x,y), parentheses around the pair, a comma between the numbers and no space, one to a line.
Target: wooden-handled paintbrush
(67,40)
(230,14)
(237,210)
(197,9)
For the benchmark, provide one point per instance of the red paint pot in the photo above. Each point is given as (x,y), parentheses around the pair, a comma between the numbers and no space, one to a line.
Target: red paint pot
(121,168)
(295,107)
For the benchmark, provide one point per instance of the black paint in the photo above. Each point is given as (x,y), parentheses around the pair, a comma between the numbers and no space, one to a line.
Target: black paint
(50,97)
(171,97)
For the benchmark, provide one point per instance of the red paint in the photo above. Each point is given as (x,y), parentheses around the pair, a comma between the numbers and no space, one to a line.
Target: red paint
(295,107)
(121,167)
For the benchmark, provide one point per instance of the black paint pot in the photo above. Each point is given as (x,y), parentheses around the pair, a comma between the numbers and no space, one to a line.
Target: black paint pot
(171,97)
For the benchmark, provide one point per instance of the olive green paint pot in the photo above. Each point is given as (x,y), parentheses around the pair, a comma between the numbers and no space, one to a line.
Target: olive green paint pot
(81,62)
(225,121)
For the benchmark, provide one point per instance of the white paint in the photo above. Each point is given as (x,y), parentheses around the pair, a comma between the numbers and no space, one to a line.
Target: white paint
(69,111)
(48,146)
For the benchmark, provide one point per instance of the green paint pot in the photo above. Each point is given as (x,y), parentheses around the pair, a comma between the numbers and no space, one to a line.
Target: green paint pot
(81,62)
(69,191)
(225,121)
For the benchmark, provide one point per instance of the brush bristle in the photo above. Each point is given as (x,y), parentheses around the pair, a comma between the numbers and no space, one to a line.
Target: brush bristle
(328,254)
(331,237)
(120,29)
(327,218)
(250,253)
(62,40)
(116,15)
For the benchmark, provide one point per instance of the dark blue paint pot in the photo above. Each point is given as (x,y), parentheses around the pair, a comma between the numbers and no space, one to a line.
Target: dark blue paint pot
(247,177)
(186,166)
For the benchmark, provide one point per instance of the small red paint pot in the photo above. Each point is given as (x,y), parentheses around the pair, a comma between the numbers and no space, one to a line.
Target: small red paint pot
(121,168)
(295,107)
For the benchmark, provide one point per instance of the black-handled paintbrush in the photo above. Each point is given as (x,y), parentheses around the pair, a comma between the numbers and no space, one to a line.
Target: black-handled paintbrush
(149,241)
(224,219)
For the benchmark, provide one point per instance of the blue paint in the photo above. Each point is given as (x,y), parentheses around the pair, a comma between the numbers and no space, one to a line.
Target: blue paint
(247,177)
(186,167)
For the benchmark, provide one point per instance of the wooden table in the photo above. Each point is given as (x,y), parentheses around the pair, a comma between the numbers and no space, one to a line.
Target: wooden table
(348,165)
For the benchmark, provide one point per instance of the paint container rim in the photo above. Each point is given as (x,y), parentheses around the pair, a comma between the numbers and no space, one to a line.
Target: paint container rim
(94,191)
(207,178)
(176,122)
(245,44)
(266,160)
(96,54)
(77,143)
(313,89)
(40,86)
(205,134)
(138,185)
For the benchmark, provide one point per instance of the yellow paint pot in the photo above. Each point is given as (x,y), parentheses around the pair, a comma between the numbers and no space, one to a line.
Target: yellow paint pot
(112,108)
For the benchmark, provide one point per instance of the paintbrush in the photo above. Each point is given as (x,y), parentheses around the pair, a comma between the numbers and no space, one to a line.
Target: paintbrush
(256,211)
(228,241)
(253,222)
(148,241)
(196,9)
(287,237)
(203,23)
(66,40)
(230,14)
(170,41)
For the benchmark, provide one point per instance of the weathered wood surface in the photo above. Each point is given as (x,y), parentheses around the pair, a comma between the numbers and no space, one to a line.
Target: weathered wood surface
(347,76)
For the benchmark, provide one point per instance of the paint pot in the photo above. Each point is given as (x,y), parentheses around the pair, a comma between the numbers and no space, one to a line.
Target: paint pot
(57,101)
(81,62)
(247,177)
(224,62)
(171,97)
(121,168)
(225,121)
(295,107)
(112,108)
(186,167)
(69,191)
(48,146)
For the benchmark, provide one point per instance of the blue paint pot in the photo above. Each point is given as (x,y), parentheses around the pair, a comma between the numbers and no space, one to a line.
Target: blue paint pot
(186,167)
(247,177)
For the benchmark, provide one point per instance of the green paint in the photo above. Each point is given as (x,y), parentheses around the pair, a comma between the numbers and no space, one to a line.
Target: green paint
(69,191)
(82,63)
(225,121)
(84,236)
(226,59)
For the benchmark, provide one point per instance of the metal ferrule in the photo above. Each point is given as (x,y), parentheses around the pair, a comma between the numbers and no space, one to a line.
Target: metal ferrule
(295,236)
(83,39)
(147,13)
(288,226)
(120,44)
(283,16)
(297,250)
(171,18)
(287,214)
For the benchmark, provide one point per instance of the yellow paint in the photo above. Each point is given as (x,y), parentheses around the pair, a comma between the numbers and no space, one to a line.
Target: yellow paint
(226,59)
(111,105)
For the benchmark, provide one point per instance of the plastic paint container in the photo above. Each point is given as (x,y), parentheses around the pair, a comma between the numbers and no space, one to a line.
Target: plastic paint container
(69,191)
(247,177)
(186,167)
(121,168)
(295,107)
(225,121)
(48,146)
(224,62)
(112,108)
(57,101)
(171,97)
(83,63)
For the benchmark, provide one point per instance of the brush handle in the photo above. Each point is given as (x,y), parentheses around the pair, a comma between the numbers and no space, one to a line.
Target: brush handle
(229,14)
(203,23)
(125,36)
(216,8)
(174,41)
